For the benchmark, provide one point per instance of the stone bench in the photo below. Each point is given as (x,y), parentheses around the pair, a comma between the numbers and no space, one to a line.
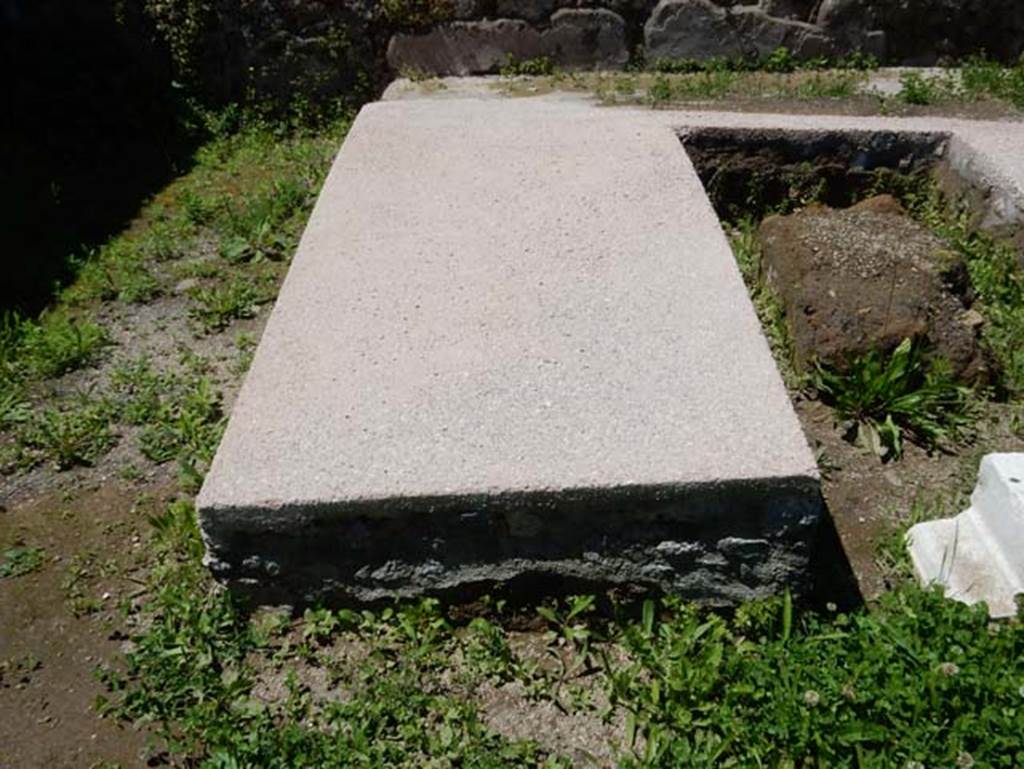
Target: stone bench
(513,349)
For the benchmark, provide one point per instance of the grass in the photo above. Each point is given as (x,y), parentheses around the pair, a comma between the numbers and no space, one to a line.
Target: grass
(117,271)
(663,89)
(395,712)
(779,76)
(712,85)
(773,687)
(536,67)
(977,79)
(917,679)
(74,434)
(229,226)
(179,411)
(780,61)
(50,347)
(747,250)
(216,306)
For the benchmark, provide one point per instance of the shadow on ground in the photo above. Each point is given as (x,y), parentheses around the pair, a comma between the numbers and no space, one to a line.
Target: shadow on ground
(90,130)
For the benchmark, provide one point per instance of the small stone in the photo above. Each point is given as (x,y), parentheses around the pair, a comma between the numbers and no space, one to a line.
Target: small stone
(690,29)
(892,479)
(186,285)
(972,319)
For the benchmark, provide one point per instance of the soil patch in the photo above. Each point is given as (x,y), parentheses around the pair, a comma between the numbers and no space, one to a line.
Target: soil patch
(62,621)
(866,278)
(871,503)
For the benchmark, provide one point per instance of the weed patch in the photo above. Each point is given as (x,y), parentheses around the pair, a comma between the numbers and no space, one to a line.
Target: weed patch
(982,77)
(528,67)
(20,560)
(919,679)
(921,90)
(780,61)
(888,395)
(747,250)
(718,84)
(51,347)
(204,706)
(114,272)
(75,434)
(215,307)
(180,413)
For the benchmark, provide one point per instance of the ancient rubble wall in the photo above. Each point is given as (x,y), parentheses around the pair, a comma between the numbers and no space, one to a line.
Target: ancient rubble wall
(316,48)
(476,36)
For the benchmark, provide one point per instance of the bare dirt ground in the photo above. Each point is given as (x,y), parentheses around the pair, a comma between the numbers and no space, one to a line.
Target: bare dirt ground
(872,503)
(61,621)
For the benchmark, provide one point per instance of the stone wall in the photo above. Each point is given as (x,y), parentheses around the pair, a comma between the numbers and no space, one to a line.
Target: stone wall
(477,36)
(280,50)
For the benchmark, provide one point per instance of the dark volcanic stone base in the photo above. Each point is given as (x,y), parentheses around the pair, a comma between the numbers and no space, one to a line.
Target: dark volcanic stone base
(720,544)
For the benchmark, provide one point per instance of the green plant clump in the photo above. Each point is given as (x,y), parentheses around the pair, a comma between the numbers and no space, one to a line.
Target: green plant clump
(780,61)
(982,77)
(889,394)
(20,560)
(747,250)
(538,67)
(179,412)
(74,434)
(215,307)
(51,347)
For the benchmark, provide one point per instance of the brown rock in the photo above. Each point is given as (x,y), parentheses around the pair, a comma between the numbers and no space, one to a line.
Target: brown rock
(865,278)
